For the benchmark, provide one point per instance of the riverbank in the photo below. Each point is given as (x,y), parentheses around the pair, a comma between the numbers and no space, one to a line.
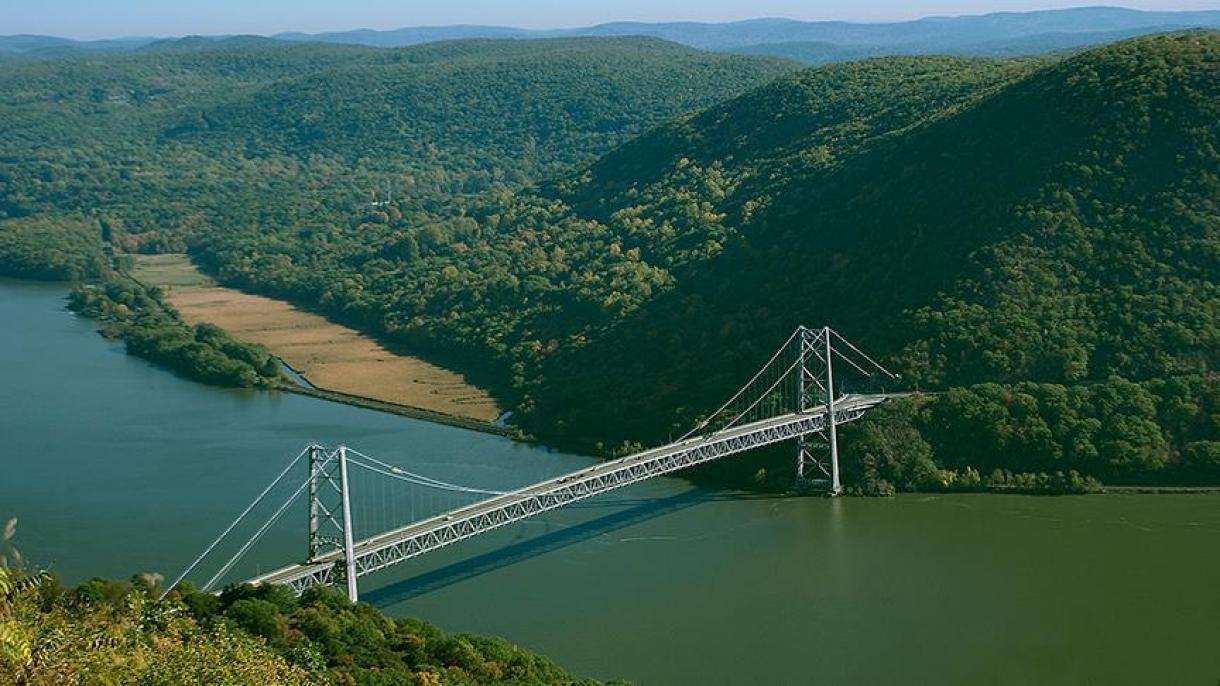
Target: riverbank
(341,364)
(404,411)
(1163,490)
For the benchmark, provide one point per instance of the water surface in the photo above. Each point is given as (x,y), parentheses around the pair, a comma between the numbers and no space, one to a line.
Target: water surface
(117,467)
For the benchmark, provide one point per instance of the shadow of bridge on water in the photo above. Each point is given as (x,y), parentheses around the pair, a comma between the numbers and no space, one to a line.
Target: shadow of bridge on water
(638,510)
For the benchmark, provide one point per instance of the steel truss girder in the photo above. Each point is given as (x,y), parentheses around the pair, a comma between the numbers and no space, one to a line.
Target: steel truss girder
(390,548)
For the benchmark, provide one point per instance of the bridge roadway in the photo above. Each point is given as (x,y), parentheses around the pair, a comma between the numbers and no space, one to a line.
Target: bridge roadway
(418,538)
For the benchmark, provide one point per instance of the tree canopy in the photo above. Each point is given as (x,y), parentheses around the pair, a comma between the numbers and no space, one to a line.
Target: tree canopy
(121,633)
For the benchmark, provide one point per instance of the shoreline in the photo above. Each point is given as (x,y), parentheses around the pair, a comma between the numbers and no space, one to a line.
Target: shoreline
(1160,490)
(401,410)
(339,359)
(312,390)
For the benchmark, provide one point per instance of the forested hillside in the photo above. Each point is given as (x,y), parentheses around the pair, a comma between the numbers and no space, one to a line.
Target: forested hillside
(516,109)
(1059,226)
(1056,223)
(971,220)
(191,137)
(307,156)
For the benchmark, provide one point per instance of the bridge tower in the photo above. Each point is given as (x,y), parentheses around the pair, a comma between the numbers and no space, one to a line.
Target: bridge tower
(330,512)
(815,382)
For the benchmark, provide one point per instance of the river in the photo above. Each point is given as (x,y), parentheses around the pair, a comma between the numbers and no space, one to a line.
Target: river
(116,467)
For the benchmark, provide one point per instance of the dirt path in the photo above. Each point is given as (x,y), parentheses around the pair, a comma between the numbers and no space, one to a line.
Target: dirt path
(328,355)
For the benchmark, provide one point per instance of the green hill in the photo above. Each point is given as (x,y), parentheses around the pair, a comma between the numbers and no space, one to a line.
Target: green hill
(192,137)
(1019,223)
(520,275)
(1027,231)
(525,106)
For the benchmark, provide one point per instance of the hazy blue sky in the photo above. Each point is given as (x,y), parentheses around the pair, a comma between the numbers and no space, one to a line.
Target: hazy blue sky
(106,18)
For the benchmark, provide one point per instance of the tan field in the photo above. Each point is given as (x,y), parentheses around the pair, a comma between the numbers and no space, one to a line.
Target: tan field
(330,356)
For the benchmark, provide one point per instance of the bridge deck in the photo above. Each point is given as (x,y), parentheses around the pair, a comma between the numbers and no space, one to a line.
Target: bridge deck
(413,540)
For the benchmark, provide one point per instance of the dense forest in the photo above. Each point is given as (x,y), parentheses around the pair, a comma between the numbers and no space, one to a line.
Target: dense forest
(120,632)
(188,138)
(1040,438)
(1033,242)
(49,247)
(1022,222)
(973,221)
(1052,222)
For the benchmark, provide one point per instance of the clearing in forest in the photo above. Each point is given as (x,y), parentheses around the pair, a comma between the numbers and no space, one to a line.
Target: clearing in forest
(330,356)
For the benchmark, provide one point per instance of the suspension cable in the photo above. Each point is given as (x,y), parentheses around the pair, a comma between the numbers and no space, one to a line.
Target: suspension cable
(848,360)
(419,479)
(237,521)
(861,353)
(422,479)
(779,351)
(259,534)
(761,396)
(447,487)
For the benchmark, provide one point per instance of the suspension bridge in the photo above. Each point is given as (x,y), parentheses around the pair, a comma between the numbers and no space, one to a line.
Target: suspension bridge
(791,397)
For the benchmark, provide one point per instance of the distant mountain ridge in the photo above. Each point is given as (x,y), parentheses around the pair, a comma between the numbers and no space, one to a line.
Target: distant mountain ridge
(26,44)
(823,52)
(1003,33)
(945,32)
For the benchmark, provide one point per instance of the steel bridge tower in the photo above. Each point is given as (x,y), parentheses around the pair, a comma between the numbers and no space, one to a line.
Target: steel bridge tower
(330,513)
(815,381)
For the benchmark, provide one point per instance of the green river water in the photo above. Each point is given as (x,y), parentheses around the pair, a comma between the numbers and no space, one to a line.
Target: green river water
(116,467)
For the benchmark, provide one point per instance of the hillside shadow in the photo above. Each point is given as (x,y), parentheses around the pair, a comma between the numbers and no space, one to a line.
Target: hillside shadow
(640,510)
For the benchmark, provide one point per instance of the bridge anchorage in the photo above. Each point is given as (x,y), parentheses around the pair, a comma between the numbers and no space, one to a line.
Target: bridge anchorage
(792,397)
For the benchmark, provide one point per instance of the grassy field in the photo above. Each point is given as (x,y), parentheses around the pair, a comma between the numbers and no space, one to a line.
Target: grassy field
(330,356)
(169,271)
